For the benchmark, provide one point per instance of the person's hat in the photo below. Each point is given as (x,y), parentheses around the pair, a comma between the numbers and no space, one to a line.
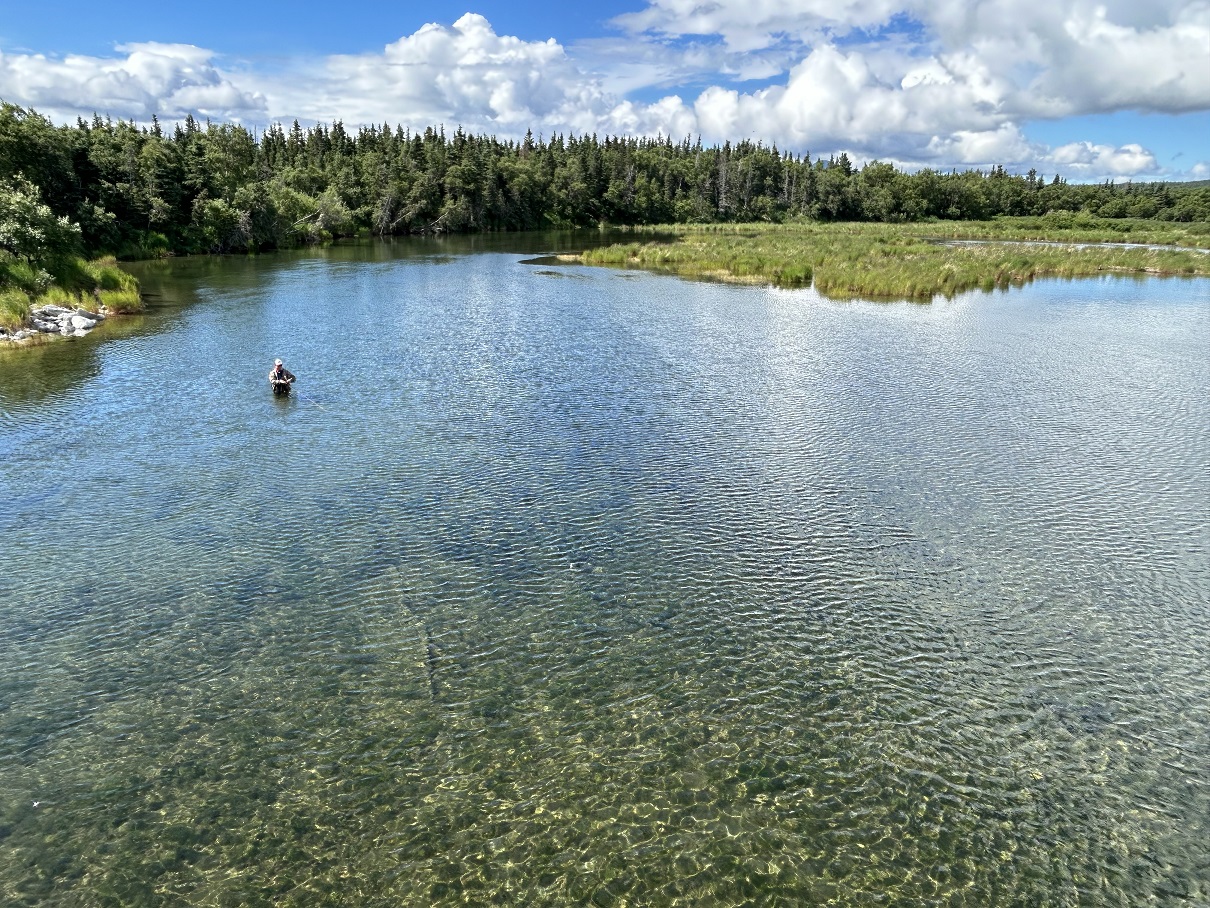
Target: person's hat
(277,362)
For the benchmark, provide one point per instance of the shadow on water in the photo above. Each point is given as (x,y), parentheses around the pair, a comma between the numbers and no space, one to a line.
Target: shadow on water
(30,376)
(36,374)
(156,275)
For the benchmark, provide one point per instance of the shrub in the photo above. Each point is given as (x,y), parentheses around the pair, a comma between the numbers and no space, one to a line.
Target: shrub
(146,244)
(28,228)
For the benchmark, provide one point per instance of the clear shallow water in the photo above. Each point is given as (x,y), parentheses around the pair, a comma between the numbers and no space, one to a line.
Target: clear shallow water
(575,586)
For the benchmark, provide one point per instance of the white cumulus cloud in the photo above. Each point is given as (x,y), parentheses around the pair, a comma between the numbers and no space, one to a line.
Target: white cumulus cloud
(939,83)
(756,24)
(944,112)
(465,74)
(946,80)
(1084,157)
(1106,66)
(170,80)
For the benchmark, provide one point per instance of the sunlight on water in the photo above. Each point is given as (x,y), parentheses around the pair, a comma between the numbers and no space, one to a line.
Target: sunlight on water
(564,586)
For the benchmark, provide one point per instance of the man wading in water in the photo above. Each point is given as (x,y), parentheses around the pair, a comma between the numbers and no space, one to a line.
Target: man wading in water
(280,377)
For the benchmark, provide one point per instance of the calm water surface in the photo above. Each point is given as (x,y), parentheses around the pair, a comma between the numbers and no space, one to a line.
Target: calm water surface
(571,586)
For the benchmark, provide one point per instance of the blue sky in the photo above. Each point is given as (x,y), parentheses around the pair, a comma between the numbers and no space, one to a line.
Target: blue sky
(1111,89)
(252,29)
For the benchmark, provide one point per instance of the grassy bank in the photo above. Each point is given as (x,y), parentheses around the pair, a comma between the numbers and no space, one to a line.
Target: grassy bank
(70,282)
(884,261)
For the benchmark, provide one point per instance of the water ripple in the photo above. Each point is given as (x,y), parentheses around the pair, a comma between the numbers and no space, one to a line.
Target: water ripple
(620,590)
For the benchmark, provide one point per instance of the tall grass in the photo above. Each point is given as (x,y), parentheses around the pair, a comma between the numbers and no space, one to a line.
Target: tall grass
(883,261)
(80,276)
(107,275)
(122,302)
(57,296)
(23,275)
(14,308)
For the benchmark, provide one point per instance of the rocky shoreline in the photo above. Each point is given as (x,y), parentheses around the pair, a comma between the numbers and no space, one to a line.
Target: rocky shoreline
(56,320)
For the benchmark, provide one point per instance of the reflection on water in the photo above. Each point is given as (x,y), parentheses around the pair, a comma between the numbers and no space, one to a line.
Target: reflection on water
(613,590)
(37,374)
(34,373)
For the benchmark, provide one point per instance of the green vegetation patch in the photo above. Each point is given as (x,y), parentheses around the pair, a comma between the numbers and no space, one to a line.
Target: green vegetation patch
(121,302)
(14,308)
(147,192)
(40,262)
(67,281)
(916,261)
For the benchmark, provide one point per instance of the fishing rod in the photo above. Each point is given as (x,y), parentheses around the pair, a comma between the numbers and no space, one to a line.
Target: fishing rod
(312,400)
(292,393)
(287,378)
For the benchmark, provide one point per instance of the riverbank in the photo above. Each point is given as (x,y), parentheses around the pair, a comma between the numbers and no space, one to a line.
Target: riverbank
(67,301)
(913,261)
(56,320)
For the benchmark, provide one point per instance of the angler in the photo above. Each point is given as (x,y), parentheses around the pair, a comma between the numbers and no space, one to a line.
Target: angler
(280,378)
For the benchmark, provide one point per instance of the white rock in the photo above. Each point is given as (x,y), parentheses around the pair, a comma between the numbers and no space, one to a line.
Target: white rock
(79,322)
(79,332)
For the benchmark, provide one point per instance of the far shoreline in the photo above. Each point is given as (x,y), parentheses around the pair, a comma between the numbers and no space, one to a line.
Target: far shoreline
(916,261)
(919,261)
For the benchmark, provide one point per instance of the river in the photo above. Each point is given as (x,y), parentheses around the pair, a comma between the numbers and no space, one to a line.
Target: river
(558,585)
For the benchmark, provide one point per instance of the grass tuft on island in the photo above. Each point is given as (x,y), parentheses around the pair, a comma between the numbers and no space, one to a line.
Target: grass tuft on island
(914,261)
(70,281)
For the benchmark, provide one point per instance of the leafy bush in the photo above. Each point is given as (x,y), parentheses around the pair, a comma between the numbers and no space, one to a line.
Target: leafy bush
(147,244)
(28,228)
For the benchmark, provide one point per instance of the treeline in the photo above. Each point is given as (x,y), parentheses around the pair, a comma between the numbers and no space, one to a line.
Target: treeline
(142,191)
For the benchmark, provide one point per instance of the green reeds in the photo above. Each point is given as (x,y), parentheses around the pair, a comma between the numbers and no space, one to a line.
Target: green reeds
(57,296)
(106,275)
(14,308)
(881,261)
(121,302)
(99,282)
(75,275)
